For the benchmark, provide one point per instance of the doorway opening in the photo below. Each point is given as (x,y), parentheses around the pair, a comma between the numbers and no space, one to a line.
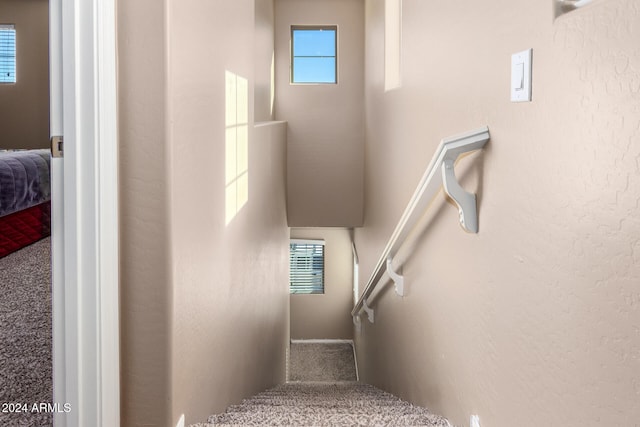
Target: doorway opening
(26,367)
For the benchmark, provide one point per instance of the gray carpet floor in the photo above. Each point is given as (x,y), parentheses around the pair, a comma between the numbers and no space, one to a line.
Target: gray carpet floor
(25,334)
(322,392)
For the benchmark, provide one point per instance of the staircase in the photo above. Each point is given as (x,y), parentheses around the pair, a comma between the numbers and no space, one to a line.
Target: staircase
(325,404)
(316,403)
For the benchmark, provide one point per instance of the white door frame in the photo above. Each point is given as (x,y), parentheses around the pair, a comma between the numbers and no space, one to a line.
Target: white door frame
(86,350)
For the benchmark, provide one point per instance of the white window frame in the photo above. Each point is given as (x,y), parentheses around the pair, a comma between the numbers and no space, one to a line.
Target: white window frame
(12,27)
(333,28)
(313,242)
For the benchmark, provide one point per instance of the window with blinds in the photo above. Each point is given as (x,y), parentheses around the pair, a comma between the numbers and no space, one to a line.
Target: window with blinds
(7,53)
(307,267)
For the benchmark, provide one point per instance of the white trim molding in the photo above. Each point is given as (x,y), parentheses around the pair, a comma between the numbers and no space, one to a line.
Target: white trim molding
(322,341)
(86,336)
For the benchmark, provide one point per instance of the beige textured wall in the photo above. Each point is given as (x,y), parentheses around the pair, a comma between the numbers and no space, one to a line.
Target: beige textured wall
(535,320)
(204,303)
(145,270)
(326,122)
(326,316)
(24,106)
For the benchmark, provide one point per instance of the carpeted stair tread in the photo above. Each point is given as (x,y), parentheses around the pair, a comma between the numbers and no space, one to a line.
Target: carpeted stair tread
(325,404)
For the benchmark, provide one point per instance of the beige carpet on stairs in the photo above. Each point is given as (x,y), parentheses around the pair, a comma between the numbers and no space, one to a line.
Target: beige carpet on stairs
(322,392)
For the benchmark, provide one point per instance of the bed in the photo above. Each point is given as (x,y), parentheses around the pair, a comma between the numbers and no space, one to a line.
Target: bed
(25,198)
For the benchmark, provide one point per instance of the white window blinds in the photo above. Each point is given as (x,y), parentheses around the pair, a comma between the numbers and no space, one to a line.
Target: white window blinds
(7,53)
(307,267)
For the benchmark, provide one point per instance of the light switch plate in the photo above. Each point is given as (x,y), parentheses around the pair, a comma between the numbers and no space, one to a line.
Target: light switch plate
(521,76)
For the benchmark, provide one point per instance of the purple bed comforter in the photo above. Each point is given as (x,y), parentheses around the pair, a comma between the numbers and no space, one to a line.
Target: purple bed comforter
(24,179)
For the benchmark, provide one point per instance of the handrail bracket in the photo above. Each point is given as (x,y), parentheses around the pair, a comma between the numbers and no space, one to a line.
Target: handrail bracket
(465,201)
(368,310)
(398,279)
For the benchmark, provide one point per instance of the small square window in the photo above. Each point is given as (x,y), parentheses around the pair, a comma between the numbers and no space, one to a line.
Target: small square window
(306,267)
(314,54)
(7,53)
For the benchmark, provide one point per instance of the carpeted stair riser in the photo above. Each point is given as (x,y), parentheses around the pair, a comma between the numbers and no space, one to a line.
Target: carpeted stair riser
(334,403)
(295,407)
(356,391)
(322,361)
(333,420)
(396,417)
(315,402)
(264,409)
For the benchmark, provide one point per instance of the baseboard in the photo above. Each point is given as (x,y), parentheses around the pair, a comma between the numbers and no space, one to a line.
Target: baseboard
(355,360)
(321,341)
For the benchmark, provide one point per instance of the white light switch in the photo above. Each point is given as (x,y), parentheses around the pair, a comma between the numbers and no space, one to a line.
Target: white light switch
(517,77)
(521,76)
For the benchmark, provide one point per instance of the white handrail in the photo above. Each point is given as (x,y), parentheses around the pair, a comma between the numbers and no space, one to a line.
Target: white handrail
(439,173)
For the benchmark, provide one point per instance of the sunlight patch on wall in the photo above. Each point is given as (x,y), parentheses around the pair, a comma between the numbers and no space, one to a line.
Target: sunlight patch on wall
(273,81)
(236,145)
